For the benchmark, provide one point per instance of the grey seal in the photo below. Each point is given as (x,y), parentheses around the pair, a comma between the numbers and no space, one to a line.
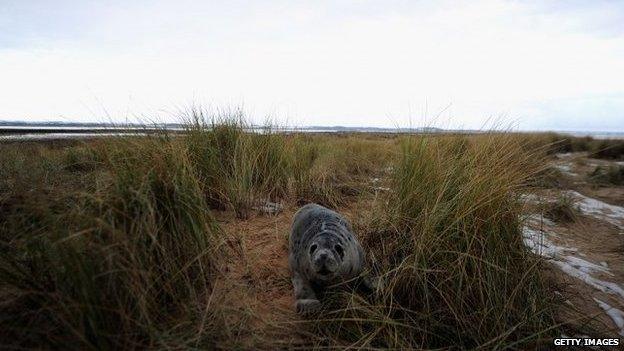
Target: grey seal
(323,251)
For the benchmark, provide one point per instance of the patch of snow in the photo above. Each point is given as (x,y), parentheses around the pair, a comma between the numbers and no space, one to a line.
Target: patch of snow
(538,220)
(530,198)
(615,314)
(586,266)
(604,286)
(538,242)
(565,168)
(269,207)
(563,155)
(598,209)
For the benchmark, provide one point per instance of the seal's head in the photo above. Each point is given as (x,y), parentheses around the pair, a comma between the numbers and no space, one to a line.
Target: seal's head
(327,257)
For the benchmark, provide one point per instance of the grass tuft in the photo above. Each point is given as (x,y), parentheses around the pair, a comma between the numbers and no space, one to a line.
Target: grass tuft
(116,261)
(449,248)
(611,175)
(563,210)
(238,167)
(113,243)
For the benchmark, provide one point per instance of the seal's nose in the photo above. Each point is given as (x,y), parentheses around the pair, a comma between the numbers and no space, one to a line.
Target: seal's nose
(324,262)
(322,258)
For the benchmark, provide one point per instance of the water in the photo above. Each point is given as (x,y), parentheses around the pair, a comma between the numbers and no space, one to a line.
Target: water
(597,135)
(60,136)
(59,132)
(34,132)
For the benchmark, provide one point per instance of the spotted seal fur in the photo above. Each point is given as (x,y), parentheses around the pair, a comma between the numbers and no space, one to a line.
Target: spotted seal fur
(323,251)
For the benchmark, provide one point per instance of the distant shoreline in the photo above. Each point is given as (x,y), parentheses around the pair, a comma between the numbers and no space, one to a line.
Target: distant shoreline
(72,130)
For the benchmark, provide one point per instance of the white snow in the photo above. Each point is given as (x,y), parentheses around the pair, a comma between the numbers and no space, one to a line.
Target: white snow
(564,155)
(616,315)
(539,220)
(269,207)
(589,206)
(538,242)
(602,285)
(598,209)
(538,232)
(586,266)
(565,168)
(530,198)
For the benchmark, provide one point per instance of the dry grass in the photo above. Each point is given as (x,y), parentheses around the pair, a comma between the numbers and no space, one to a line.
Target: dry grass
(113,243)
(331,170)
(558,143)
(564,209)
(447,243)
(607,175)
(107,248)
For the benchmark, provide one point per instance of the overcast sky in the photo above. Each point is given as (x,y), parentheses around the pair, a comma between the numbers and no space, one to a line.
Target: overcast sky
(533,64)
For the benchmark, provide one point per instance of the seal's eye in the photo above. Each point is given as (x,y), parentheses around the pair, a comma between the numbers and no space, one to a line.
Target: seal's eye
(339,250)
(312,248)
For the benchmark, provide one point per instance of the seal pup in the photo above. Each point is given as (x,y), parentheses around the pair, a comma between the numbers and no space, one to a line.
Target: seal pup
(323,251)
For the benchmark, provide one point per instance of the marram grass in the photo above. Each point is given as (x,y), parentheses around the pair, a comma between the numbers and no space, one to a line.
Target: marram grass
(447,243)
(112,244)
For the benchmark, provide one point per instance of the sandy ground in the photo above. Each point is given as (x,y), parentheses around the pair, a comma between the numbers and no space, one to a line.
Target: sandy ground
(258,287)
(587,255)
(587,259)
(258,282)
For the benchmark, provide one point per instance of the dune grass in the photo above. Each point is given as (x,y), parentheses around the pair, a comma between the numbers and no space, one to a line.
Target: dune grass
(562,143)
(331,170)
(564,209)
(237,167)
(122,257)
(240,168)
(607,175)
(113,243)
(447,243)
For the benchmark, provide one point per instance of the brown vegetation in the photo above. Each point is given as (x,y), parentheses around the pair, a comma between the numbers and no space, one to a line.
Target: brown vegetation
(153,242)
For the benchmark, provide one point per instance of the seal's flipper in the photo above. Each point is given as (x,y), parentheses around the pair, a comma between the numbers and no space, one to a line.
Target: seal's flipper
(307,306)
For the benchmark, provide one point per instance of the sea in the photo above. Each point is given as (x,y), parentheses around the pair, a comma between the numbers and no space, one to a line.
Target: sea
(33,132)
